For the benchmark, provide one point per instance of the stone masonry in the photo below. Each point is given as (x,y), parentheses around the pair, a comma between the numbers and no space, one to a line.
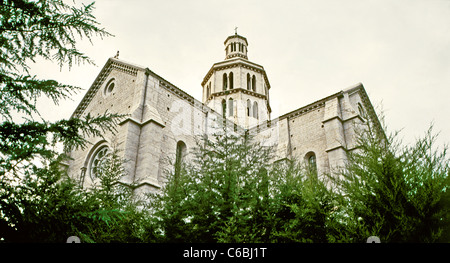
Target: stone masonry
(164,120)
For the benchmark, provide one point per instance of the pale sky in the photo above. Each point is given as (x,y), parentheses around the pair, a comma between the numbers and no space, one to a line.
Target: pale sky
(398,49)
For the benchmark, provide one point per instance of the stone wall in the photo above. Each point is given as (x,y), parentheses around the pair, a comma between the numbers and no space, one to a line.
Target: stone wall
(160,115)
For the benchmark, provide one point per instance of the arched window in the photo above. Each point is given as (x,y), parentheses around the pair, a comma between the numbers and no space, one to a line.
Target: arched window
(311,162)
(230,107)
(249,83)
(97,161)
(254,83)
(208,90)
(181,152)
(225,81)
(255,110)
(231,80)
(249,108)
(224,108)
(180,156)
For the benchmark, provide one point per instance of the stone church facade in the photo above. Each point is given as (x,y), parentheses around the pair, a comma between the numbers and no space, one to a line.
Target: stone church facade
(163,120)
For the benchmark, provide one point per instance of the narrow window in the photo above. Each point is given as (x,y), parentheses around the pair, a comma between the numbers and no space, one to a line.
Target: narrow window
(225,81)
(255,110)
(248,82)
(249,107)
(254,83)
(230,107)
(311,162)
(231,80)
(180,156)
(224,108)
(208,90)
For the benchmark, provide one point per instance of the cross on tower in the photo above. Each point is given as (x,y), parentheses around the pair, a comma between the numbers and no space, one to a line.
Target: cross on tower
(235,30)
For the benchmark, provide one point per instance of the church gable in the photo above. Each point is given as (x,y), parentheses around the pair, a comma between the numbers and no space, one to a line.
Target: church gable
(106,92)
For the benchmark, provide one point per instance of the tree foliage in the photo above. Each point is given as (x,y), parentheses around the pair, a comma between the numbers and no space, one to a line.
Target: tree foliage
(228,190)
(398,193)
(49,30)
(37,202)
(231,192)
(47,206)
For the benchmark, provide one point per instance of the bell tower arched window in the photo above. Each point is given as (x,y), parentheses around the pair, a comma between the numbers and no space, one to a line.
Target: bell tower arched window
(254,83)
(224,108)
(230,76)
(208,90)
(255,110)
(225,81)
(249,108)
(230,107)
(249,83)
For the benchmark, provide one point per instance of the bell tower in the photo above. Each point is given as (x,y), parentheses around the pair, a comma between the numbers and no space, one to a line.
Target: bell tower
(236,46)
(236,87)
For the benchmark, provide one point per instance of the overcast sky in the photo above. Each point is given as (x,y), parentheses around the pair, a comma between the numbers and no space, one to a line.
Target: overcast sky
(398,49)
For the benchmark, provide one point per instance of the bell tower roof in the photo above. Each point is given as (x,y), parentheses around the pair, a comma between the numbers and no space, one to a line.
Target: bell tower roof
(236,46)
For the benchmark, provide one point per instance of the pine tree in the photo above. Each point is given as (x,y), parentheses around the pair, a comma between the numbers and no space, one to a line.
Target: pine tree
(232,191)
(37,202)
(221,190)
(398,193)
(41,29)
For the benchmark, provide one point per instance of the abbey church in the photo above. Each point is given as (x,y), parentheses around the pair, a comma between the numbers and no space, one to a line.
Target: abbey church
(163,120)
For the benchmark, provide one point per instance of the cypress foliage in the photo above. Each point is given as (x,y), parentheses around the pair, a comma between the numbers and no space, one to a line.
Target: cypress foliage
(37,202)
(398,193)
(231,192)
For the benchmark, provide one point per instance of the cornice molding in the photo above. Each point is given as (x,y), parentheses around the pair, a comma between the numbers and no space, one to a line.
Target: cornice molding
(236,36)
(227,64)
(141,124)
(231,91)
(233,55)
(319,104)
